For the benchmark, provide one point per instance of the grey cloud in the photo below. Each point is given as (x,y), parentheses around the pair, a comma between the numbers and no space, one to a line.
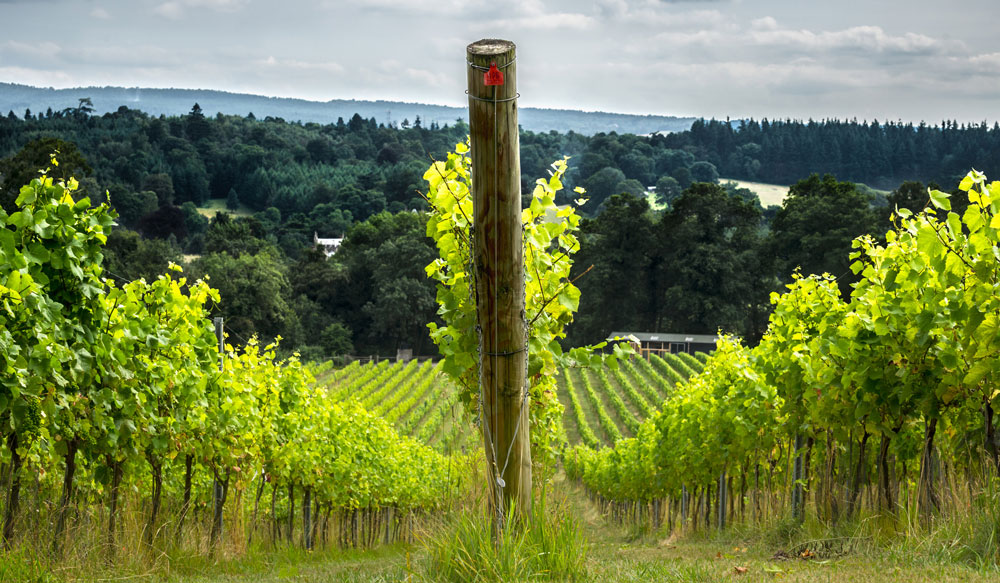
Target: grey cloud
(988,63)
(868,38)
(699,57)
(42,54)
(175,9)
(125,56)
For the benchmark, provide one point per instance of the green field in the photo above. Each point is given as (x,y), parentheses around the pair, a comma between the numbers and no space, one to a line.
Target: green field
(216,205)
(769,194)
(774,194)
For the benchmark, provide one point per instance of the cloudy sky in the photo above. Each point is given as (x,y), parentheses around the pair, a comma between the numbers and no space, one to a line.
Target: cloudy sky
(885,59)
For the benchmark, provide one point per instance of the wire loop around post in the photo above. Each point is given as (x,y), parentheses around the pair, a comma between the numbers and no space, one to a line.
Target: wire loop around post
(471,96)
(482,68)
(508,353)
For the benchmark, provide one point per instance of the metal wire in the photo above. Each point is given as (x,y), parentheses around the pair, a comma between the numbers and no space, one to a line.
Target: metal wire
(509,353)
(527,383)
(496,313)
(471,96)
(482,68)
(517,426)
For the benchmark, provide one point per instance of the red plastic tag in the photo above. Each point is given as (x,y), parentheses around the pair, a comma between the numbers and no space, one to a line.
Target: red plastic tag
(493,76)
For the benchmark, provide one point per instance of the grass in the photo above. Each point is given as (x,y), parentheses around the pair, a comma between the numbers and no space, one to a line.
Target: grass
(769,194)
(551,547)
(772,553)
(383,564)
(21,565)
(716,561)
(573,542)
(579,543)
(611,557)
(283,564)
(774,194)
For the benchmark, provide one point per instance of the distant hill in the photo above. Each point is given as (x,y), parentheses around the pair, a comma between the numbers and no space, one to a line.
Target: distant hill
(17,98)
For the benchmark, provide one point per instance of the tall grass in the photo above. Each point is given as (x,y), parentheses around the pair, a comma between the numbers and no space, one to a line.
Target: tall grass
(970,535)
(550,545)
(24,567)
(966,534)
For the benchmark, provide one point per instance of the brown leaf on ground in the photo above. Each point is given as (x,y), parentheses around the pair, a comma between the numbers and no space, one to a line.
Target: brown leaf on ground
(740,570)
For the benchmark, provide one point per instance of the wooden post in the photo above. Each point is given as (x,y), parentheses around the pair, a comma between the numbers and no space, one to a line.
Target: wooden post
(306,506)
(499,271)
(798,494)
(291,512)
(684,505)
(721,498)
(217,489)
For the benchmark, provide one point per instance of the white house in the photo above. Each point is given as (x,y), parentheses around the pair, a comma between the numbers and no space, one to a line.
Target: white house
(328,246)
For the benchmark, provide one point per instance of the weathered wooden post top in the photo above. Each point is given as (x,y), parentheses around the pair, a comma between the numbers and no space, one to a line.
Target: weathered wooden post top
(499,270)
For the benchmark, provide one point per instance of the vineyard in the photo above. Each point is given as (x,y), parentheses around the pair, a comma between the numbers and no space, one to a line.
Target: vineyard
(131,422)
(603,405)
(882,402)
(122,404)
(421,403)
(416,398)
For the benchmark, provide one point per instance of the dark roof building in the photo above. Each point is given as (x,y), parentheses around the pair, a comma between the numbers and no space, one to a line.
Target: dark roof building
(663,342)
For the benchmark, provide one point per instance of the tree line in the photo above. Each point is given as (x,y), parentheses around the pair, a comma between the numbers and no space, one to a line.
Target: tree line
(880,154)
(711,260)
(286,181)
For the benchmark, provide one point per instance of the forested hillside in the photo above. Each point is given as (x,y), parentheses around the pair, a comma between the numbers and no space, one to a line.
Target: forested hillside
(178,101)
(708,261)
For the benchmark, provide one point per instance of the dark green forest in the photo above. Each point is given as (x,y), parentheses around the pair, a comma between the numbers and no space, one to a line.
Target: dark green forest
(881,155)
(708,261)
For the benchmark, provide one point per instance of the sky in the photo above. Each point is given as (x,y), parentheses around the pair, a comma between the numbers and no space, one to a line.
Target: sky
(905,60)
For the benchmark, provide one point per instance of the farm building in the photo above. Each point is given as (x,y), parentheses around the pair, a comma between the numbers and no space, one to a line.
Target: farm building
(663,342)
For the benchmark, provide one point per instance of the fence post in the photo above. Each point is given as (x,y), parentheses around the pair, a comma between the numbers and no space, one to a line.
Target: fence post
(499,270)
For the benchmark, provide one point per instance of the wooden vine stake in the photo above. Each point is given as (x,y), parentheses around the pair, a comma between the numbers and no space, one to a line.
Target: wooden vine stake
(218,493)
(499,269)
